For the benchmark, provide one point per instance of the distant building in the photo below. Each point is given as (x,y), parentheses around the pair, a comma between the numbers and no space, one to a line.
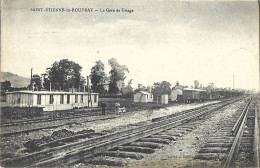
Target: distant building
(181,93)
(176,93)
(143,96)
(52,101)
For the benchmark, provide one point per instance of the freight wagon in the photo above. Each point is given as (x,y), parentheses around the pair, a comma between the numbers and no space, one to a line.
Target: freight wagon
(194,95)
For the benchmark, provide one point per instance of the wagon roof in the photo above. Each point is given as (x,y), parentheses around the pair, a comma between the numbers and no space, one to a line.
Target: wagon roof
(198,90)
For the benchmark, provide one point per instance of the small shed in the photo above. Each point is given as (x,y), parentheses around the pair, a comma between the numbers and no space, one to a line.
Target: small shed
(52,101)
(161,99)
(143,96)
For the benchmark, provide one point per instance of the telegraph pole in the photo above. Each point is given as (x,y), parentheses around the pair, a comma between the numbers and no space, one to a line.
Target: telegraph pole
(258,44)
(88,91)
(31,79)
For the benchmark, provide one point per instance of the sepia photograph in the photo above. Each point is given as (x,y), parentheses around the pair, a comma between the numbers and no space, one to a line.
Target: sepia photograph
(130,83)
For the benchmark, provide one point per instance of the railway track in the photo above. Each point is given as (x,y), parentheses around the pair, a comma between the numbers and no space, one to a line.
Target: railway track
(51,119)
(71,153)
(7,134)
(237,142)
(57,117)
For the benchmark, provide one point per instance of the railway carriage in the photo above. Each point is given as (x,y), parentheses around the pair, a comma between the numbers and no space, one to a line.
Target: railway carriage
(53,100)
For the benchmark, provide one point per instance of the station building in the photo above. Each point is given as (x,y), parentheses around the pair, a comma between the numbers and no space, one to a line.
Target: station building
(52,101)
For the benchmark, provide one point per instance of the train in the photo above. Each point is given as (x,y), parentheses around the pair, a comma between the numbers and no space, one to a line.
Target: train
(186,95)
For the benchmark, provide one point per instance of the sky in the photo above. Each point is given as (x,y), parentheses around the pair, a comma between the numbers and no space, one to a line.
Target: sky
(161,40)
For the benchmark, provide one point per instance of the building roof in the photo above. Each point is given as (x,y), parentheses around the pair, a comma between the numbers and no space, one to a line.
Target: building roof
(49,92)
(198,90)
(144,92)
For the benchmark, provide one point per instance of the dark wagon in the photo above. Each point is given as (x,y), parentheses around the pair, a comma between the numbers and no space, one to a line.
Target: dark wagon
(194,95)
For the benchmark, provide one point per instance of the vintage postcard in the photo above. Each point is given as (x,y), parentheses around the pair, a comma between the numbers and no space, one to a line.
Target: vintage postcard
(130,83)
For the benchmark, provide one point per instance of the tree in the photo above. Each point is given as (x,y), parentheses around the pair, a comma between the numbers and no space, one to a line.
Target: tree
(36,80)
(201,86)
(65,74)
(117,73)
(113,87)
(140,87)
(210,87)
(128,90)
(98,77)
(162,88)
(5,86)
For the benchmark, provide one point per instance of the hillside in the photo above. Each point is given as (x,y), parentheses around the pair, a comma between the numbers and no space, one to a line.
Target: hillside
(16,80)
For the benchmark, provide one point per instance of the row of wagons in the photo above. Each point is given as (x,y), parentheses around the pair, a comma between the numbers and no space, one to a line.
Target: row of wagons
(194,95)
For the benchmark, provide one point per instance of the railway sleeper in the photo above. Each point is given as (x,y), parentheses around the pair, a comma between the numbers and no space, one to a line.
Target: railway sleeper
(110,161)
(186,129)
(219,141)
(146,144)
(123,154)
(171,134)
(179,131)
(248,135)
(210,156)
(217,137)
(226,128)
(247,140)
(246,150)
(155,140)
(213,150)
(171,138)
(218,145)
(244,156)
(81,150)
(134,149)
(246,145)
(223,133)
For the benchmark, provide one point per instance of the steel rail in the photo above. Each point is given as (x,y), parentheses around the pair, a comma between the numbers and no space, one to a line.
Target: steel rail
(123,139)
(41,120)
(73,156)
(237,140)
(56,118)
(103,118)
(86,143)
(92,146)
(256,158)
(238,122)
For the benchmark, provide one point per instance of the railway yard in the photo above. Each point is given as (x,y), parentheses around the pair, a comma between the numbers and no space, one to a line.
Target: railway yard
(219,133)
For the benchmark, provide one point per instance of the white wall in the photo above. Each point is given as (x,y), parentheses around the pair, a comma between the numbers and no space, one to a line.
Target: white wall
(28,99)
(175,93)
(139,97)
(164,99)
(14,98)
